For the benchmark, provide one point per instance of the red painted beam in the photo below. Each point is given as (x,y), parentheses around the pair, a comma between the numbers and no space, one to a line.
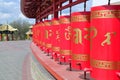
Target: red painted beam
(70,4)
(30,7)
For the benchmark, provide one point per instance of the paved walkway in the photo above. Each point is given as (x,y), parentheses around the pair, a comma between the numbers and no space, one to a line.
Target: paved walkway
(12,55)
(16,60)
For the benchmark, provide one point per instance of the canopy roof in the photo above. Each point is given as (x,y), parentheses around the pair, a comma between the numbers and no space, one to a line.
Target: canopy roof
(29,32)
(7,27)
(31,27)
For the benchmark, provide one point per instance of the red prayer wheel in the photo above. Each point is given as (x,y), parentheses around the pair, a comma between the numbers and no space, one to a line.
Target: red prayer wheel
(55,38)
(35,36)
(35,33)
(33,30)
(65,35)
(80,40)
(105,42)
(42,37)
(48,35)
(39,34)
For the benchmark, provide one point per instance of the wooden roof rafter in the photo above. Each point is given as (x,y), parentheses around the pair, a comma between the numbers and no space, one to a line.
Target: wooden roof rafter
(29,5)
(42,8)
(60,7)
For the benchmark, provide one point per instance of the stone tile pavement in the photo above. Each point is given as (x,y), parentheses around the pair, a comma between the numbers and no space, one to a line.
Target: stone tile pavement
(38,71)
(15,61)
(12,55)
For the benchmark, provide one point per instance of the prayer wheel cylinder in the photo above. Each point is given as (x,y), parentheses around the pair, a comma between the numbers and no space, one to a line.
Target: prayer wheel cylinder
(42,37)
(105,42)
(39,39)
(80,40)
(35,34)
(38,32)
(55,38)
(65,35)
(35,37)
(50,32)
(48,35)
(33,30)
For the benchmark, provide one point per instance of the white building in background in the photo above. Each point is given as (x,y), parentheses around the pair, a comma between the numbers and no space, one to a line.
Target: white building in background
(104,2)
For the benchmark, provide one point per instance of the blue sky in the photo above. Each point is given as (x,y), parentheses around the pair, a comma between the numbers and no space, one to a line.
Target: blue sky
(10,11)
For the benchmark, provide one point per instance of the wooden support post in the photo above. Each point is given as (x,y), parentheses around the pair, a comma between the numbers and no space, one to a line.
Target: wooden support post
(70,1)
(109,2)
(55,13)
(60,5)
(85,6)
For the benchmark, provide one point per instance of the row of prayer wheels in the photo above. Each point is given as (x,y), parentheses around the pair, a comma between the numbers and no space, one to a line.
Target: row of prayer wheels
(86,39)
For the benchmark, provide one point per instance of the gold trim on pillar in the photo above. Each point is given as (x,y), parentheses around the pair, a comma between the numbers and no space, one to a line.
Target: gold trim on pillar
(80,18)
(65,52)
(40,24)
(47,23)
(65,20)
(57,49)
(102,64)
(55,22)
(81,57)
(48,45)
(105,14)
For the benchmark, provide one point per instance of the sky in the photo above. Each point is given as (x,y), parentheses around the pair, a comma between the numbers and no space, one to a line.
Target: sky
(10,11)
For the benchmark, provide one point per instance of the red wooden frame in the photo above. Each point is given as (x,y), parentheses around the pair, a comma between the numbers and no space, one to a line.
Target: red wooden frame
(40,9)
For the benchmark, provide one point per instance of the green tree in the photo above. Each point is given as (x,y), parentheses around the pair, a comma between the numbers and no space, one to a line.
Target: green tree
(22,26)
